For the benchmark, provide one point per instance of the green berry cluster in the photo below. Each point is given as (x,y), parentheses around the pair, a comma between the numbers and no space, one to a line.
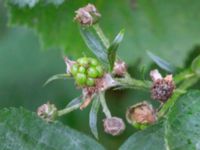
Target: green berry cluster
(86,70)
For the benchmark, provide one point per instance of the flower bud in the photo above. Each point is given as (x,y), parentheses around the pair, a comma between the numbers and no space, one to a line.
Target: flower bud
(120,68)
(141,115)
(87,15)
(162,88)
(47,112)
(114,126)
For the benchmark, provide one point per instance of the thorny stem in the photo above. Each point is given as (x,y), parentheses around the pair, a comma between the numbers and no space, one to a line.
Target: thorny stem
(104,105)
(183,87)
(68,109)
(101,35)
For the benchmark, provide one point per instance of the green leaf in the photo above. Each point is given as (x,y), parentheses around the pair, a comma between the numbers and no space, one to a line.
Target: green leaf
(93,116)
(162,63)
(179,130)
(32,3)
(149,25)
(151,138)
(196,65)
(57,77)
(95,43)
(23,130)
(113,48)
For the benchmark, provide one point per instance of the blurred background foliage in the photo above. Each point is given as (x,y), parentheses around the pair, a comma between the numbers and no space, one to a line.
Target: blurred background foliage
(168,28)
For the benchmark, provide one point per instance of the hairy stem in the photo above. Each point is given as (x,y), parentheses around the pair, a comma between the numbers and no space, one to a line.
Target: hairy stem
(128,82)
(68,109)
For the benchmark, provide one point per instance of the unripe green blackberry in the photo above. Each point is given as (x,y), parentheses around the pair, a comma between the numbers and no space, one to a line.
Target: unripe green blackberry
(74,69)
(90,81)
(83,61)
(94,62)
(81,69)
(100,70)
(80,78)
(86,70)
(92,72)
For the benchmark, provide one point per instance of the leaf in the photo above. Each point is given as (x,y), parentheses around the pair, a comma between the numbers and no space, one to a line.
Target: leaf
(180,129)
(150,139)
(113,48)
(57,77)
(149,25)
(196,65)
(93,116)
(32,3)
(162,63)
(23,130)
(95,43)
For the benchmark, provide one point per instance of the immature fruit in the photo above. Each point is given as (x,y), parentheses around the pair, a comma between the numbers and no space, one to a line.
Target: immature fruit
(83,61)
(80,78)
(86,70)
(81,69)
(92,72)
(94,62)
(100,71)
(74,69)
(90,82)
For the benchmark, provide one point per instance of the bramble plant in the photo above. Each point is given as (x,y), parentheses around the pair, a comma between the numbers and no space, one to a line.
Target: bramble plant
(166,126)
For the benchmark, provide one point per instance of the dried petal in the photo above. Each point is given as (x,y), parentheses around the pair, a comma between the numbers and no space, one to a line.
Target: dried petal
(47,112)
(141,114)
(162,88)
(87,15)
(155,75)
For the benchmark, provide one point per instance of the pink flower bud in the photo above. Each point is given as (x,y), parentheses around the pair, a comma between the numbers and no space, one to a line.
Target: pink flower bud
(120,68)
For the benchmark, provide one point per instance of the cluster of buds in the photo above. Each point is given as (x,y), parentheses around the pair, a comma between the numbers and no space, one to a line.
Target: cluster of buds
(120,68)
(87,15)
(47,112)
(114,126)
(162,88)
(85,71)
(141,115)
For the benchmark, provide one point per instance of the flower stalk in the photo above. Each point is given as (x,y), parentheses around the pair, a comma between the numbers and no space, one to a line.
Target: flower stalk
(68,109)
